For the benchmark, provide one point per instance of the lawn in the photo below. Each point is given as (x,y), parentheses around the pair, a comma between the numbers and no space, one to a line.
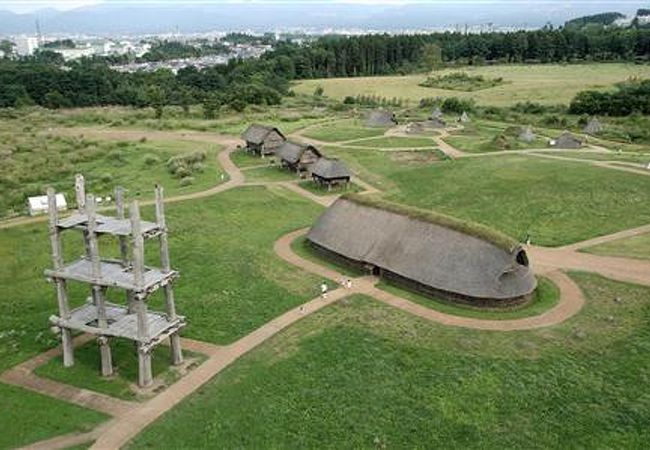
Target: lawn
(556,202)
(394,142)
(361,374)
(480,137)
(244,159)
(613,156)
(27,417)
(546,296)
(270,173)
(35,161)
(631,247)
(231,281)
(342,131)
(84,373)
(548,83)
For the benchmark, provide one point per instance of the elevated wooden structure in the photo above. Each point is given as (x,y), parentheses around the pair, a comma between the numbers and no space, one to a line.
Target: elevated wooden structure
(130,320)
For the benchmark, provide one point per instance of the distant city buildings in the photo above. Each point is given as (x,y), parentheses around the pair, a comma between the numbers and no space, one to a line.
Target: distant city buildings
(26,45)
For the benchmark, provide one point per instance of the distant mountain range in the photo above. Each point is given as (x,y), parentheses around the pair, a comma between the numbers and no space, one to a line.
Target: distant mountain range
(112,17)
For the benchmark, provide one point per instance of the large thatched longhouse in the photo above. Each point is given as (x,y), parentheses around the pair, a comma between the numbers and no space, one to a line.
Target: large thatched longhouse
(431,253)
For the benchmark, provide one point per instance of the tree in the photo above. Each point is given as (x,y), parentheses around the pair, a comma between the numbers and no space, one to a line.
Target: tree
(319,91)
(432,56)
(185,98)
(237,105)
(55,100)
(156,99)
(211,104)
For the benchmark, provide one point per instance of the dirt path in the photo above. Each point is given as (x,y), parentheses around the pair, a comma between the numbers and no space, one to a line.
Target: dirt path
(122,430)
(608,238)
(571,298)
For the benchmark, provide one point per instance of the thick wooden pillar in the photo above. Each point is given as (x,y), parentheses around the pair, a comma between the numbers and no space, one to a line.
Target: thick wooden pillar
(124,243)
(61,286)
(145,376)
(98,292)
(174,339)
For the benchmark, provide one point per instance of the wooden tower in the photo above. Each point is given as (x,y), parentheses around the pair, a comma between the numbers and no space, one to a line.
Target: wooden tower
(129,319)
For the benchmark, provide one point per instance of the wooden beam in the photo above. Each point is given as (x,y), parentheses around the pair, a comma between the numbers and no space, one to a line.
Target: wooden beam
(124,243)
(80,192)
(61,285)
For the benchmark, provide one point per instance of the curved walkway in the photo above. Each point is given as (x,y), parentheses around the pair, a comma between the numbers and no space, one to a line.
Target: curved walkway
(571,297)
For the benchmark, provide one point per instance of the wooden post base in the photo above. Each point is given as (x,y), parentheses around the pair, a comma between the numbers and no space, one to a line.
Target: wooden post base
(176,351)
(145,377)
(68,348)
(106,357)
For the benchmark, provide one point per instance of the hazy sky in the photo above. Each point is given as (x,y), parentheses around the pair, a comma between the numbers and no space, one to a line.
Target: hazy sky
(32,5)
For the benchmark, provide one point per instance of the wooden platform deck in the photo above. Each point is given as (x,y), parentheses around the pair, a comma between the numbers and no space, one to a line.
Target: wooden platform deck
(109,225)
(113,274)
(120,323)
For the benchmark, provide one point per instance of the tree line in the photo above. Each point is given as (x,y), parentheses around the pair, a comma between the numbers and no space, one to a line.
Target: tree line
(46,80)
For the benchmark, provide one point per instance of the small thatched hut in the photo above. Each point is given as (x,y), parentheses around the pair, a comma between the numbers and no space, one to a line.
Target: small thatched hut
(414,128)
(381,118)
(428,252)
(262,140)
(329,172)
(297,157)
(464,118)
(566,140)
(593,127)
(527,135)
(436,113)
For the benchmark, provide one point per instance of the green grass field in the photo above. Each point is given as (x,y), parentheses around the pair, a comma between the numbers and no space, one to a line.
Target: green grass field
(84,373)
(26,417)
(394,142)
(341,131)
(632,247)
(557,202)
(480,137)
(548,84)
(38,161)
(363,375)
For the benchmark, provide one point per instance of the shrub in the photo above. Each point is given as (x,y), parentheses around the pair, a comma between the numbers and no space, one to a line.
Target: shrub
(457,105)
(151,159)
(106,178)
(187,181)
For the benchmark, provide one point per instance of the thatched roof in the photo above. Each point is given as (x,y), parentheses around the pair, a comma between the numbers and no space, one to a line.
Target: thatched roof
(292,152)
(256,133)
(431,249)
(527,134)
(381,118)
(567,140)
(464,117)
(593,127)
(330,168)
(436,113)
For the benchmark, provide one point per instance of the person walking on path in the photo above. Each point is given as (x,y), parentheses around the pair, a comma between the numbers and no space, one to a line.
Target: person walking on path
(323,290)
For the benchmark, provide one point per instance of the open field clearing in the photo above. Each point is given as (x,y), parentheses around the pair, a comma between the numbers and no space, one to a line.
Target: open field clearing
(547,84)
(207,247)
(394,142)
(361,374)
(342,131)
(31,162)
(632,247)
(27,417)
(555,202)
(479,137)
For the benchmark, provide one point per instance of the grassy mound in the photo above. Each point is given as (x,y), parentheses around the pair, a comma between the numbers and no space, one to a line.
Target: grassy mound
(463,226)
(461,81)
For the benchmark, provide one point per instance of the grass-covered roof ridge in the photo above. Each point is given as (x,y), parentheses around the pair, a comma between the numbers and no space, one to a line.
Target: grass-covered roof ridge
(474,229)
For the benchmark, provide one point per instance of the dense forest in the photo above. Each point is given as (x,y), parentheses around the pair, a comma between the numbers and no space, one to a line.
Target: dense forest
(45,80)
(629,97)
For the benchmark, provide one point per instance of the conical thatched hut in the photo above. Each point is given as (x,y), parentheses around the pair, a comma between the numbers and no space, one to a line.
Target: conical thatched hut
(593,127)
(436,114)
(527,135)
(381,118)
(434,123)
(464,118)
(566,140)
(428,252)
